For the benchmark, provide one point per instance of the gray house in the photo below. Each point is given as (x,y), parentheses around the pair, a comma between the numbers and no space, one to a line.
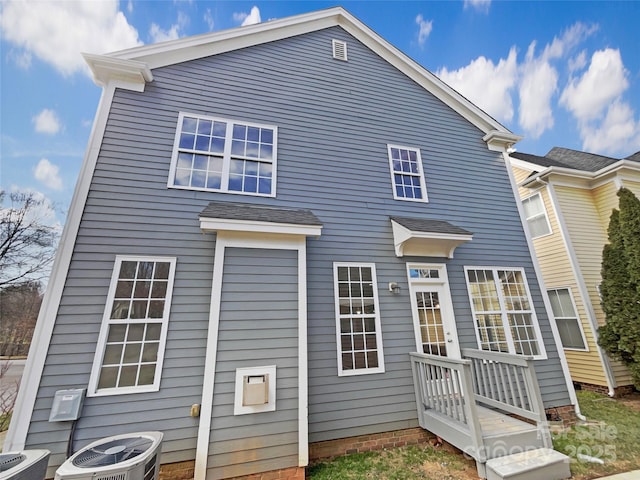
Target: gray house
(288,238)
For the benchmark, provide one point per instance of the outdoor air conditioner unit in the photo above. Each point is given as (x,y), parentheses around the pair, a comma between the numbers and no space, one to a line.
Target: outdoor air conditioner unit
(25,465)
(132,456)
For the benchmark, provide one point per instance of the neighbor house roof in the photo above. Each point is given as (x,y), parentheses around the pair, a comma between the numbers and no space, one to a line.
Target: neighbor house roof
(133,68)
(573,163)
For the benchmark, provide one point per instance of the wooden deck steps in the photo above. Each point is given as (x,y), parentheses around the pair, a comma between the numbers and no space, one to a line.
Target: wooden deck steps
(542,463)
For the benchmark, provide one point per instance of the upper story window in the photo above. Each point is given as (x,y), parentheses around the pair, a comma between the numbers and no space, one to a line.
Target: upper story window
(536,216)
(132,338)
(357,319)
(564,313)
(503,313)
(224,156)
(406,173)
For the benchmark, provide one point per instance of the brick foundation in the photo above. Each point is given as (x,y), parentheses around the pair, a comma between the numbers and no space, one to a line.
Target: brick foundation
(177,471)
(184,471)
(565,414)
(368,443)
(604,390)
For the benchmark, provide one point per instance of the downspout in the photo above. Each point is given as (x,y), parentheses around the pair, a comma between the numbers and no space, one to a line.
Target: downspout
(545,298)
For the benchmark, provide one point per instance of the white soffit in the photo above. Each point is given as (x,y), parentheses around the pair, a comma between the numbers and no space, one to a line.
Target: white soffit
(221,225)
(409,242)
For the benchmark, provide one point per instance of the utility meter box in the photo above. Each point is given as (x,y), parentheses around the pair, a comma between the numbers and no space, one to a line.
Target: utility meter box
(255,390)
(67,405)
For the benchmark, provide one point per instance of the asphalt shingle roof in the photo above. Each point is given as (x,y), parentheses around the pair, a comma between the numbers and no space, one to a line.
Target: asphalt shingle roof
(259,213)
(573,159)
(430,226)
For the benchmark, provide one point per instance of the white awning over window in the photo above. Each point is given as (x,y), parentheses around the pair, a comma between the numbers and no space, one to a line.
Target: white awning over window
(426,238)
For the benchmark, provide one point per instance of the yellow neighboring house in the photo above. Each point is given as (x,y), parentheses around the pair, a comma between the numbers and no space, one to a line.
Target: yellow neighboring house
(567,198)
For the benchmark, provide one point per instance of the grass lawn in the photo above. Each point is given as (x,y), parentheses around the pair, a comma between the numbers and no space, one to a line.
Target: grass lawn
(612,433)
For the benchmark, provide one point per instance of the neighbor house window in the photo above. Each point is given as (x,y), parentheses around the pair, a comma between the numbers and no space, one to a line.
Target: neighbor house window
(134,329)
(564,313)
(224,156)
(406,173)
(536,216)
(502,311)
(357,319)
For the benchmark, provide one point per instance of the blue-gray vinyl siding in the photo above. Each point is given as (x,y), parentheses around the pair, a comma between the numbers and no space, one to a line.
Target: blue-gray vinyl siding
(334,121)
(258,327)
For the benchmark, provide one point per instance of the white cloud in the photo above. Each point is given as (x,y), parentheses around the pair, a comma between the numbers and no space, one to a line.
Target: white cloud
(47,122)
(619,132)
(604,81)
(569,39)
(479,5)
(486,84)
(424,29)
(48,174)
(56,32)
(172,33)
(208,17)
(22,59)
(130,6)
(250,18)
(537,85)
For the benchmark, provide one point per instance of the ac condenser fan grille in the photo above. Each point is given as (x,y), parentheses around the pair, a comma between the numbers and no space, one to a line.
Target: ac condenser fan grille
(10,460)
(110,453)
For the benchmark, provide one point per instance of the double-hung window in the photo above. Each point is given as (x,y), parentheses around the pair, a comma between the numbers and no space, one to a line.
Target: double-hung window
(406,173)
(132,338)
(503,313)
(224,155)
(357,319)
(564,313)
(536,216)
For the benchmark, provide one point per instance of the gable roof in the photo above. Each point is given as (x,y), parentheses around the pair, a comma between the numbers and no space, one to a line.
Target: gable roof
(132,68)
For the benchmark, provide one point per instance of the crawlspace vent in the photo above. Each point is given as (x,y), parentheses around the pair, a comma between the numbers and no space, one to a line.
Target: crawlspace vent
(339,50)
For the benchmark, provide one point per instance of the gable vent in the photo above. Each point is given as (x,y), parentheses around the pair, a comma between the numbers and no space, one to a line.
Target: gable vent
(339,50)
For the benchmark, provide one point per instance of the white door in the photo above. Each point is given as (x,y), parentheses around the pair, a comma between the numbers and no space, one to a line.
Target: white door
(433,318)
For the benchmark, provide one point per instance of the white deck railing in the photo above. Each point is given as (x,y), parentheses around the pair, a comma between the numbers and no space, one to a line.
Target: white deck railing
(454,388)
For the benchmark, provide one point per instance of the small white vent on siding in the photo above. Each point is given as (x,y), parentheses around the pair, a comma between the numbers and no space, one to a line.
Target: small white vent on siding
(339,50)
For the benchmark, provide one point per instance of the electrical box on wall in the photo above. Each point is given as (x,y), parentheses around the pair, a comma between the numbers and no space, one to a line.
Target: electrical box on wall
(255,390)
(67,405)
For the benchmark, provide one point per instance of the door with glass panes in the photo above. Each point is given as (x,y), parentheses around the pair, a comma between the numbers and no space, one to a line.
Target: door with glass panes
(432,309)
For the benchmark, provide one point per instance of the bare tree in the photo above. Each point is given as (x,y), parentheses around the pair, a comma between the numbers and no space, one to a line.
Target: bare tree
(27,241)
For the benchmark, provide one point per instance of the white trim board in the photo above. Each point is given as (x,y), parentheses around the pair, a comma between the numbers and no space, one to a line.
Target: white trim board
(260,241)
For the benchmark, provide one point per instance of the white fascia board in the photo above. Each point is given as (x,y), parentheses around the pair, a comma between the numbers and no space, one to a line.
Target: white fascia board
(426,244)
(582,178)
(129,74)
(218,225)
(500,140)
(181,50)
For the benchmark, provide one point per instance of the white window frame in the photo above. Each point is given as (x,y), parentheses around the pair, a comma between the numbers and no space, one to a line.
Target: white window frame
(361,371)
(576,318)
(543,213)
(92,390)
(226,156)
(504,312)
(420,174)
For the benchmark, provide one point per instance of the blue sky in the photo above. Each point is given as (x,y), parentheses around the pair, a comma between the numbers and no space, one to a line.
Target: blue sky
(560,73)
